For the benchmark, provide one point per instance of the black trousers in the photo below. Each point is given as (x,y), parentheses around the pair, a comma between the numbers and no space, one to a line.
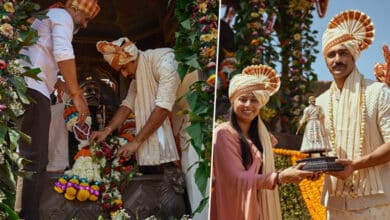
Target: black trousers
(35,123)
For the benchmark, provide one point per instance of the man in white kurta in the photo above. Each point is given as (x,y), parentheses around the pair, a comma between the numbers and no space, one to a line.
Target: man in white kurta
(151,97)
(357,115)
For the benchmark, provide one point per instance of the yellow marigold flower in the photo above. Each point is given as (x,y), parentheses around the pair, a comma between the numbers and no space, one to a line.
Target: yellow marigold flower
(255,25)
(211,79)
(9,7)
(255,42)
(261,11)
(206,37)
(203,7)
(208,52)
(214,33)
(118,201)
(297,36)
(254,15)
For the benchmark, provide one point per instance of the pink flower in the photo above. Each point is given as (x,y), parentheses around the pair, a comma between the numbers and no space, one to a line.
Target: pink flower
(211,65)
(203,19)
(3,65)
(2,107)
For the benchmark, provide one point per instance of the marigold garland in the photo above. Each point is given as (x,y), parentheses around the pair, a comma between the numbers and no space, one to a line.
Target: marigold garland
(311,190)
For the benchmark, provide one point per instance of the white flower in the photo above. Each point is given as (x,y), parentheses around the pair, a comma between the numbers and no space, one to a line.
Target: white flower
(7,30)
(120,215)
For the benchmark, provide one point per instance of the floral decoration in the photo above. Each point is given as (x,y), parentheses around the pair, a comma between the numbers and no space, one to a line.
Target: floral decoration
(297,45)
(115,172)
(96,171)
(15,32)
(310,191)
(278,34)
(195,49)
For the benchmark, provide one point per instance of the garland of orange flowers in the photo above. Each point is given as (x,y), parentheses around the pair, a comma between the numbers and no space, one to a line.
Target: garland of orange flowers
(311,190)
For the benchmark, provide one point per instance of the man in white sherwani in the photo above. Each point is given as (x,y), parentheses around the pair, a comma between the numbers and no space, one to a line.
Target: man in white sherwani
(357,113)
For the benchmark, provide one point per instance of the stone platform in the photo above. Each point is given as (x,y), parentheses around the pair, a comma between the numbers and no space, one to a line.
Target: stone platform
(144,196)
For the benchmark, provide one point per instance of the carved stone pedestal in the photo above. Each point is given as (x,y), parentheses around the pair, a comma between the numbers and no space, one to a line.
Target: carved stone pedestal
(159,195)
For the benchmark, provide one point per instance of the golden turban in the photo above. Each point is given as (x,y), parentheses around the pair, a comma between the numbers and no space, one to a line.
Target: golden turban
(351,28)
(261,80)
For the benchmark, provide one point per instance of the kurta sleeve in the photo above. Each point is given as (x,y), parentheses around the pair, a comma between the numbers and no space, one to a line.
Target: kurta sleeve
(61,26)
(305,116)
(383,119)
(169,81)
(130,97)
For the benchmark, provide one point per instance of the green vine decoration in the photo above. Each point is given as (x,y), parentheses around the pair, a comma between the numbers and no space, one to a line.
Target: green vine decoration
(195,49)
(297,43)
(15,33)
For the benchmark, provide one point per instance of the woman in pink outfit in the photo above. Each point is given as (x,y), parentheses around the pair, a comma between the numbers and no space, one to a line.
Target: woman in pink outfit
(244,176)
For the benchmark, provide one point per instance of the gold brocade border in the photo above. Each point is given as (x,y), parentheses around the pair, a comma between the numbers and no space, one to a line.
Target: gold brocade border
(311,190)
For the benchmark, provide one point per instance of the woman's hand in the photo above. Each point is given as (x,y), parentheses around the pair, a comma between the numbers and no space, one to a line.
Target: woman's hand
(294,174)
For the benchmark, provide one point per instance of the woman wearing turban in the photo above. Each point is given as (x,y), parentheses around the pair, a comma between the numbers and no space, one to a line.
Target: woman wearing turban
(245,179)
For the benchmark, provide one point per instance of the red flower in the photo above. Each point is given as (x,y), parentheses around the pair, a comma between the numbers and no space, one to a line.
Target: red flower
(99,154)
(106,196)
(118,168)
(107,170)
(3,65)
(112,184)
(122,160)
(127,168)
(203,19)
(106,205)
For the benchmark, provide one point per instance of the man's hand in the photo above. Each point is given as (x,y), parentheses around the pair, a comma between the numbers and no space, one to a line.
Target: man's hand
(81,105)
(348,169)
(128,149)
(100,135)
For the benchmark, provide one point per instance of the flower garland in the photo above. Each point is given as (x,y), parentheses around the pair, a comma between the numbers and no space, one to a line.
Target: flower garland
(15,32)
(254,27)
(311,190)
(114,171)
(96,171)
(271,32)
